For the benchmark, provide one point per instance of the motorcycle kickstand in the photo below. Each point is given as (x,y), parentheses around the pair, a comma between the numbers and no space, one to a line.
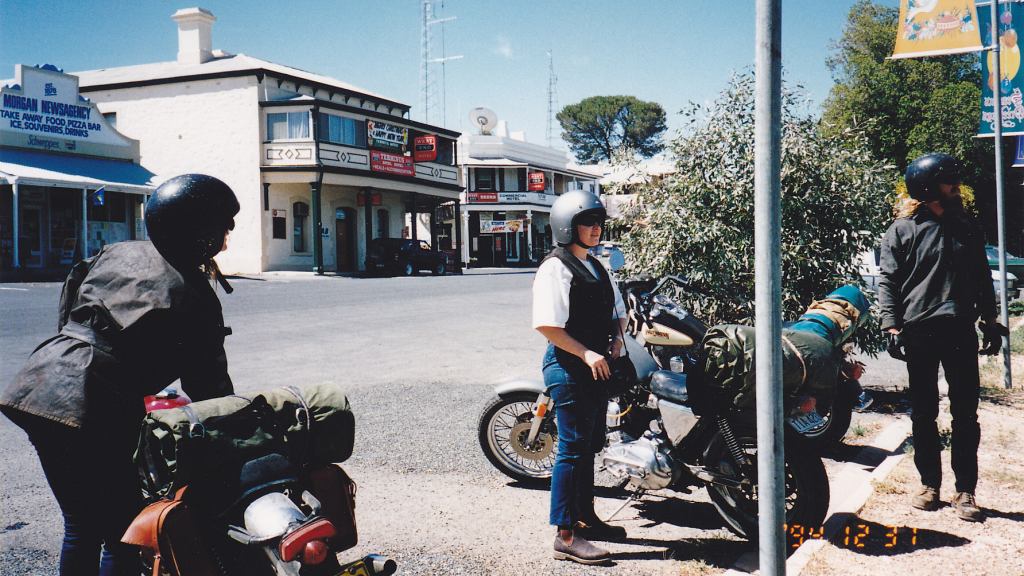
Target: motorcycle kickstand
(636,495)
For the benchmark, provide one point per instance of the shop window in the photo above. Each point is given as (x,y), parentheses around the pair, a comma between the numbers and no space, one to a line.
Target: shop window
(484,178)
(383,224)
(288,125)
(342,130)
(300,211)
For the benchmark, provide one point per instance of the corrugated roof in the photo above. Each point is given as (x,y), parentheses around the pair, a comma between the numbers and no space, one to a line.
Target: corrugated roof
(79,171)
(224,64)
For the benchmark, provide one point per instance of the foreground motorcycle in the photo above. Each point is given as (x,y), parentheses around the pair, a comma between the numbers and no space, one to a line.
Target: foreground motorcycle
(279,520)
(666,429)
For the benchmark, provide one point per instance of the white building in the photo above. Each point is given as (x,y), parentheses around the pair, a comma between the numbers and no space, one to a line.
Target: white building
(510,187)
(69,181)
(320,167)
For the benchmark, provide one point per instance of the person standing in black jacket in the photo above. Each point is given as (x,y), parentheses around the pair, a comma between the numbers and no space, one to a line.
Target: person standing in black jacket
(935,284)
(132,319)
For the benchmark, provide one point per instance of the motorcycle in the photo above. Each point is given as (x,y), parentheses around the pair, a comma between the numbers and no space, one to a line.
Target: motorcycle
(288,523)
(665,430)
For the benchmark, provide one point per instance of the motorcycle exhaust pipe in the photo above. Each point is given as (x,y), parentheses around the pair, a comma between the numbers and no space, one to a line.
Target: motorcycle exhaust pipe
(380,565)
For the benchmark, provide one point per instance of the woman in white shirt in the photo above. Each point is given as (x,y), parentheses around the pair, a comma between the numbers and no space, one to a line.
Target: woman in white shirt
(579,310)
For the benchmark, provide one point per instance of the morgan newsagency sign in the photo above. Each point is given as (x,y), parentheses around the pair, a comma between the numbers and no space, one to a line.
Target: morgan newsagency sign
(42,110)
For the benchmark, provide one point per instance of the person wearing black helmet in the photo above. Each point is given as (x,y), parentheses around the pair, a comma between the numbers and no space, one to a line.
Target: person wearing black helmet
(132,319)
(935,283)
(579,310)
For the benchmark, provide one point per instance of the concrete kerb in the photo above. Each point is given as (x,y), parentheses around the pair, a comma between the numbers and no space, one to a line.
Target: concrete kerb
(855,481)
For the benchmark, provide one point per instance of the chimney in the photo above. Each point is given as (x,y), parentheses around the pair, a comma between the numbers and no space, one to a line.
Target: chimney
(195,43)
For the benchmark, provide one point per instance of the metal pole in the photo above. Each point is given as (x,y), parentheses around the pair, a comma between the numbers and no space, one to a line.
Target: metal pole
(767,290)
(1000,219)
(85,223)
(15,225)
(318,224)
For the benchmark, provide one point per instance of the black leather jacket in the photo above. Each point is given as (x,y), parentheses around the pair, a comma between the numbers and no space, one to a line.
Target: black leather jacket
(130,324)
(934,268)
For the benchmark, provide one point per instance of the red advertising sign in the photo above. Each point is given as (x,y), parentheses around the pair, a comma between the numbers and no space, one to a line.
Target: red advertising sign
(375,198)
(424,149)
(391,163)
(535,181)
(483,197)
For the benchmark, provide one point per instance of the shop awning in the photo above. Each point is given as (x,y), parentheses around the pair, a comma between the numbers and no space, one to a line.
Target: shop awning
(66,170)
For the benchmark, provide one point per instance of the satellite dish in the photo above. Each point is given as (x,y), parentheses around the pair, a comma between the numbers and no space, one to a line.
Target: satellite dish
(483,118)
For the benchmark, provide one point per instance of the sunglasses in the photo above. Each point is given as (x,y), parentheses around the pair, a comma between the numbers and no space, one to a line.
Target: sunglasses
(590,221)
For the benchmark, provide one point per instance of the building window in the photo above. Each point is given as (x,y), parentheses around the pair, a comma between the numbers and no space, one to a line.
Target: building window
(445,151)
(300,210)
(383,224)
(484,178)
(342,130)
(288,125)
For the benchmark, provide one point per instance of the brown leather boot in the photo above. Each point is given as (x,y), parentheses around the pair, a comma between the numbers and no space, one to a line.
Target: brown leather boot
(966,508)
(926,499)
(579,550)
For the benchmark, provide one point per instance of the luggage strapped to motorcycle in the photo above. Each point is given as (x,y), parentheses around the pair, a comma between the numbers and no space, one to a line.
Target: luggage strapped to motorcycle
(167,530)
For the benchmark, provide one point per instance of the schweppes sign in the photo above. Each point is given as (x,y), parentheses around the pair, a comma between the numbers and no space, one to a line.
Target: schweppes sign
(936,27)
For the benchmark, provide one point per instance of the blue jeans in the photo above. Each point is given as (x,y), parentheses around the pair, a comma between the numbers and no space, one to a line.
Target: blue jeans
(580,408)
(96,486)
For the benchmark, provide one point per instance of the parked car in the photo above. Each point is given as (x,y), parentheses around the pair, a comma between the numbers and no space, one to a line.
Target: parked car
(1014,264)
(610,255)
(405,257)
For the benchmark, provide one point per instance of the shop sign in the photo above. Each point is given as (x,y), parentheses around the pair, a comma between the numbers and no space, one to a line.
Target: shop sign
(42,110)
(424,148)
(275,213)
(375,199)
(387,136)
(500,226)
(391,163)
(513,197)
(483,197)
(535,181)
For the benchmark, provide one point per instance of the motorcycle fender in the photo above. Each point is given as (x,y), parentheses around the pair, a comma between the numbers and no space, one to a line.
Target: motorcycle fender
(506,388)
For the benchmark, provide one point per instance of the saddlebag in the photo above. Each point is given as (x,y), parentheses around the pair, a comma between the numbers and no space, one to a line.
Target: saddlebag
(169,536)
(337,495)
(205,444)
(810,365)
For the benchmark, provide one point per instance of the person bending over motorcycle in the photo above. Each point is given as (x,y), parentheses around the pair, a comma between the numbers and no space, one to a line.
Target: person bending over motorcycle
(132,319)
(934,285)
(575,306)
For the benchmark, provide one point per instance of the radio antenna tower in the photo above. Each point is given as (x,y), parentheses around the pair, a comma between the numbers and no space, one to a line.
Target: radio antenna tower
(552,98)
(427,84)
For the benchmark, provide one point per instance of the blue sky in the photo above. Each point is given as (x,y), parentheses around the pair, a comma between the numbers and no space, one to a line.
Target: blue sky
(671,52)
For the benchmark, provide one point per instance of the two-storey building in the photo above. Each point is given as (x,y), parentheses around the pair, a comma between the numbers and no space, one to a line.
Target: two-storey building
(320,167)
(510,187)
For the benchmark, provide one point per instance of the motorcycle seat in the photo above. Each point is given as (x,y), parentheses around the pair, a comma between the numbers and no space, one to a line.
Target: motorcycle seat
(670,386)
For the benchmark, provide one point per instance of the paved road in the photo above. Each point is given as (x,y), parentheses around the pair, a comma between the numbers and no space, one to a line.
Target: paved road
(418,357)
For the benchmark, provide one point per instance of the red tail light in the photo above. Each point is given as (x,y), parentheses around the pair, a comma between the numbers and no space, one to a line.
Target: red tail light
(308,540)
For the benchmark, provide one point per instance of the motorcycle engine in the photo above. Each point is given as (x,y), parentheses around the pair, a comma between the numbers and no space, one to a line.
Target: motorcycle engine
(643,461)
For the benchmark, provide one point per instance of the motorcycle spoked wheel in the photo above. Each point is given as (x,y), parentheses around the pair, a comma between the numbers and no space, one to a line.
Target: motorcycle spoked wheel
(837,420)
(806,485)
(502,431)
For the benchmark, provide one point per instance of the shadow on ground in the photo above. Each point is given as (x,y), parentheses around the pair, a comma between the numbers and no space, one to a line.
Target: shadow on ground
(874,539)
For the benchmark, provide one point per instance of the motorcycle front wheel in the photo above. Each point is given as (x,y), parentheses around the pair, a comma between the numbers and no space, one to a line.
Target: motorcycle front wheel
(806,485)
(503,429)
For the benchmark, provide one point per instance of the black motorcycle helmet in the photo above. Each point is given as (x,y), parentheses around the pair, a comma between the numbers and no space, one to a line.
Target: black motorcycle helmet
(926,172)
(187,216)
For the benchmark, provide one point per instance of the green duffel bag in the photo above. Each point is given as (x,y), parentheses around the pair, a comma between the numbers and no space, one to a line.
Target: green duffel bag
(810,365)
(205,444)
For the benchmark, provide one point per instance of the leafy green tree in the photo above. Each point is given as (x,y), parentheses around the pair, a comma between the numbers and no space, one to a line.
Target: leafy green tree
(905,107)
(599,127)
(700,222)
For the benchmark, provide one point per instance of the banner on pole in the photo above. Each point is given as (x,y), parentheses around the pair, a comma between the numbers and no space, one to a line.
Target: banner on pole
(936,27)
(1018,158)
(1010,84)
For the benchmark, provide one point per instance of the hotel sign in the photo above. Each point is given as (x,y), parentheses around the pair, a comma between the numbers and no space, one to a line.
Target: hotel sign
(391,163)
(385,136)
(42,110)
